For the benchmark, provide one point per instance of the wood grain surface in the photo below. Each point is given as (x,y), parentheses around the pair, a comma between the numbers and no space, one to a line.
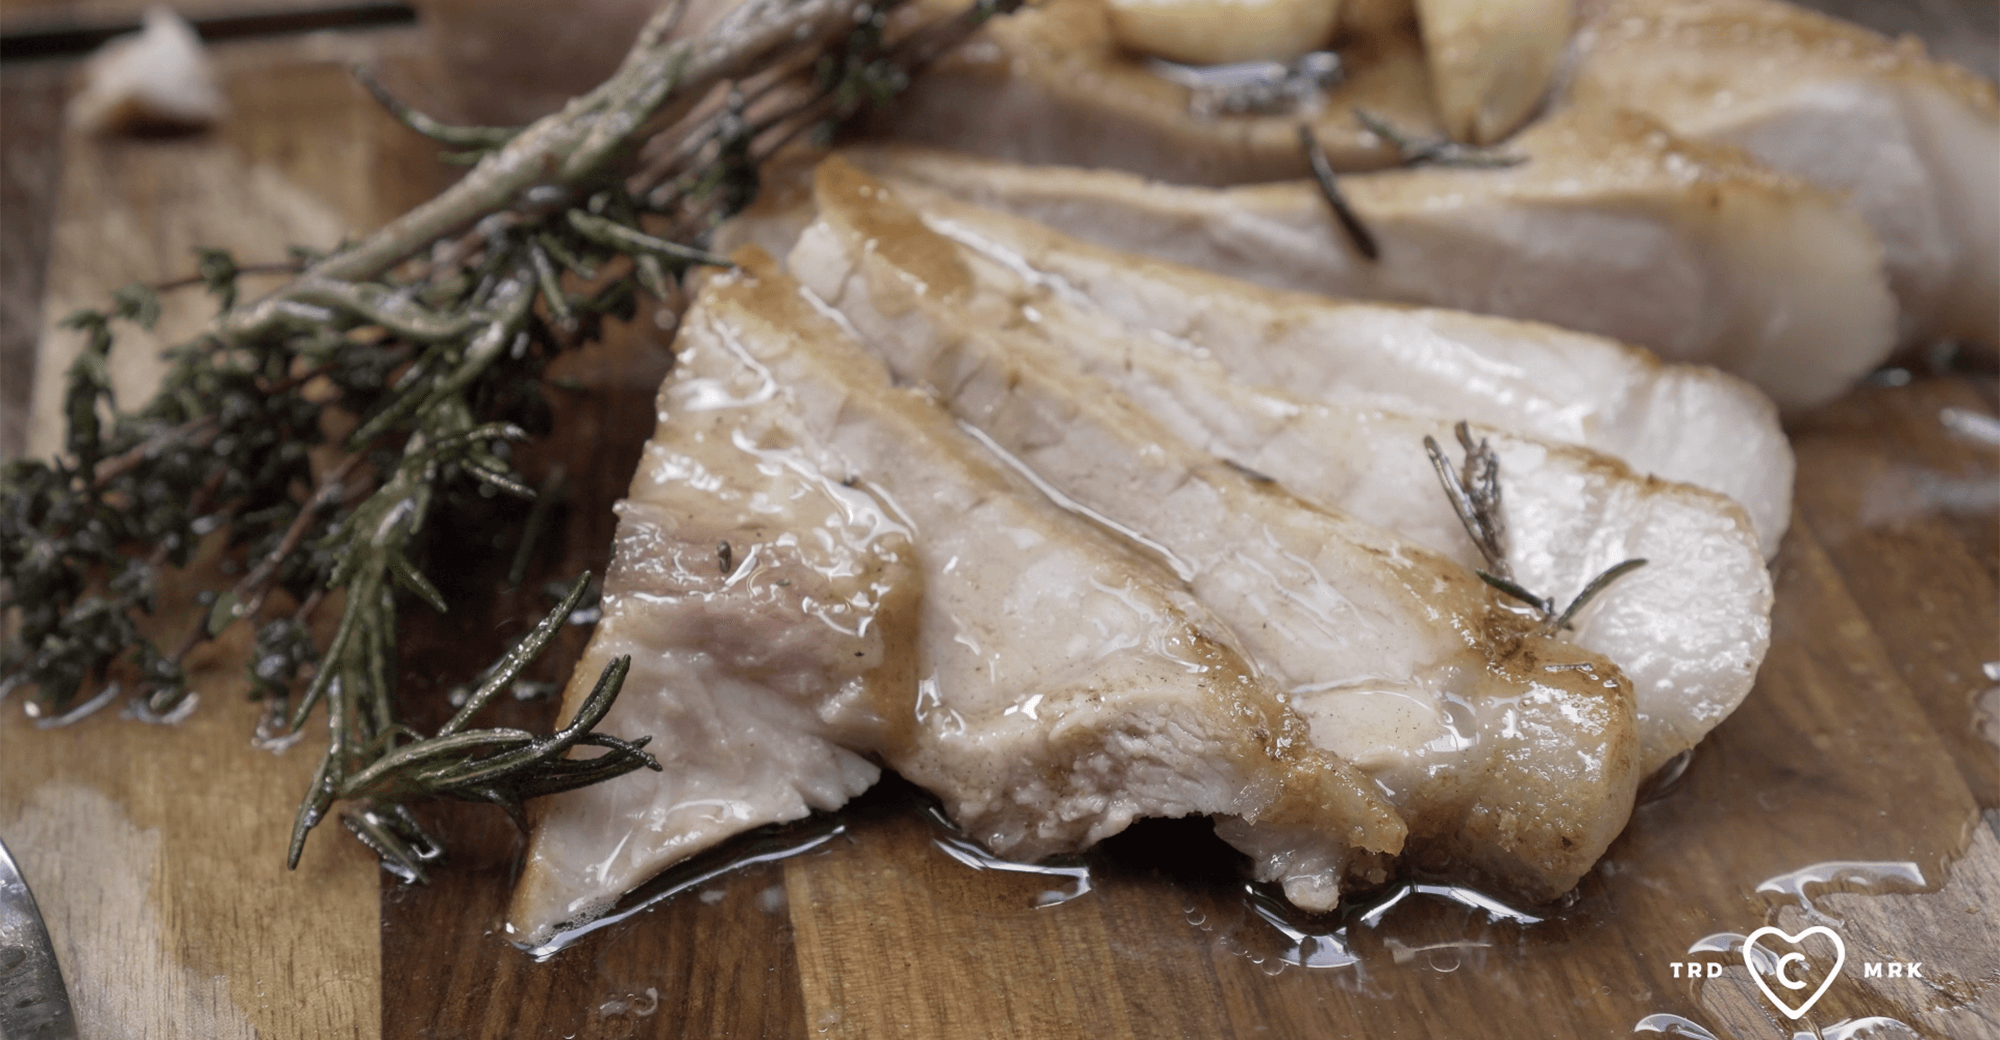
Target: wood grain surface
(44,29)
(31,104)
(157,851)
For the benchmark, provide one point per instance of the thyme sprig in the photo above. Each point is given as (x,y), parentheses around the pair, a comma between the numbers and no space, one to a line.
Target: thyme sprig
(1473,488)
(341,433)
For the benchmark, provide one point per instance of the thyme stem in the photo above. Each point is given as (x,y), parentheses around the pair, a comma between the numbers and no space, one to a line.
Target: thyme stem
(188,281)
(250,592)
(108,470)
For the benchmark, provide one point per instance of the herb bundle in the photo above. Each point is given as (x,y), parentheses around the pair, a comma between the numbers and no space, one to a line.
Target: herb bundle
(426,342)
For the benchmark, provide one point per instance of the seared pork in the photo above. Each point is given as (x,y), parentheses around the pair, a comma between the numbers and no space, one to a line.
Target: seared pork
(1911,142)
(1613,226)
(1689,629)
(1684,423)
(811,564)
(1510,754)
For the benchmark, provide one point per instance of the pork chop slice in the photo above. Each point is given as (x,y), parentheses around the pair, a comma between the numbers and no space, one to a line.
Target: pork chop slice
(813,567)
(1909,141)
(1689,630)
(1912,143)
(1684,423)
(1612,226)
(1511,755)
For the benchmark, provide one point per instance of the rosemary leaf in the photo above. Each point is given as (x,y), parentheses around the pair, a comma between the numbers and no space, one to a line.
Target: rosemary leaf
(483,138)
(1590,591)
(618,236)
(523,653)
(1329,187)
(410,579)
(1435,151)
(1544,607)
(1474,493)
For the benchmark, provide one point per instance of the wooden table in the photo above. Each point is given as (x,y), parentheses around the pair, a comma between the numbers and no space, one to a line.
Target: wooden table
(157,851)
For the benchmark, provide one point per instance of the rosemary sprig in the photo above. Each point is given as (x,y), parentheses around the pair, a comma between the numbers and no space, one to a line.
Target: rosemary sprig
(1474,491)
(427,339)
(502,766)
(1435,151)
(1473,488)
(1329,187)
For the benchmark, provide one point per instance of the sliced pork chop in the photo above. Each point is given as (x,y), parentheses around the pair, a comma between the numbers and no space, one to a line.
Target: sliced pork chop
(1689,629)
(1911,142)
(1612,226)
(750,590)
(811,564)
(1685,423)
(1511,755)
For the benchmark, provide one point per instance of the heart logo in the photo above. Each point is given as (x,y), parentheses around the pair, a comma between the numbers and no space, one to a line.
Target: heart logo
(1784,963)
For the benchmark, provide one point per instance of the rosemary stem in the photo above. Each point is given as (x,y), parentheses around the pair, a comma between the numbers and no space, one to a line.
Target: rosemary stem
(588,132)
(1329,187)
(381,659)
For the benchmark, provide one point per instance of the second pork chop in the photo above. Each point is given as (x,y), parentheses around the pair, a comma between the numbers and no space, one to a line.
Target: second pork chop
(1532,768)
(813,566)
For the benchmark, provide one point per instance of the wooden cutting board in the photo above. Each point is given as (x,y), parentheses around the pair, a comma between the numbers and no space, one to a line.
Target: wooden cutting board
(157,851)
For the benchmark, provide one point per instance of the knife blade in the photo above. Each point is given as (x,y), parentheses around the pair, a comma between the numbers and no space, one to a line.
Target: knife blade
(34,1003)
